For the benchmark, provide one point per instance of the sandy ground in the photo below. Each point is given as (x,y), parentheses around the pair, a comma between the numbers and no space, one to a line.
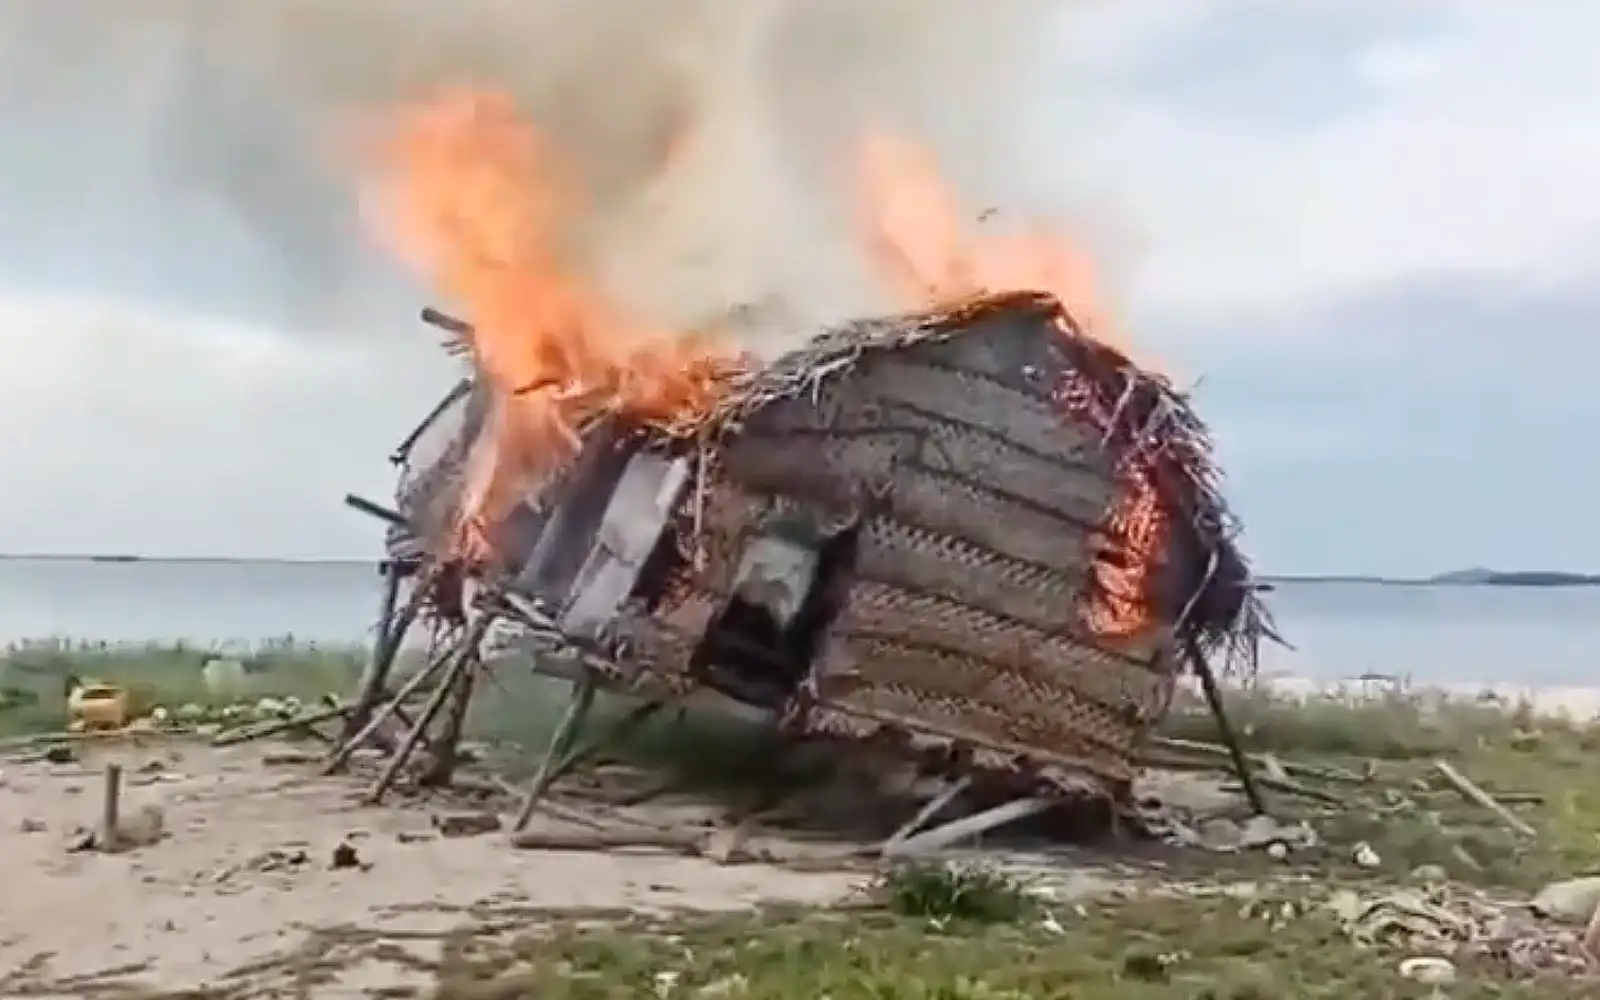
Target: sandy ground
(243,877)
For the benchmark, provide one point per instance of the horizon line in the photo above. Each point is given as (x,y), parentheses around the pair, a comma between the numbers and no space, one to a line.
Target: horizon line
(134,557)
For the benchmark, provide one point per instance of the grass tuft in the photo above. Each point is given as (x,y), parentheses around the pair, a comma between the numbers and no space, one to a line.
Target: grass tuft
(969,893)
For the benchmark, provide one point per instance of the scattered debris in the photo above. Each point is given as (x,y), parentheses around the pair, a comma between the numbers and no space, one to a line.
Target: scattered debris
(466,824)
(345,856)
(288,758)
(1431,970)
(280,859)
(1571,901)
(1477,795)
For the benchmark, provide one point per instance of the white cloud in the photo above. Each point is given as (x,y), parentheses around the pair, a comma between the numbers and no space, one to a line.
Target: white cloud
(1240,164)
(1471,145)
(124,427)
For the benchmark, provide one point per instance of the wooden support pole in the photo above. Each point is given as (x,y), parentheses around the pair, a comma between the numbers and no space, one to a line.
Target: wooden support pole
(465,659)
(394,621)
(349,747)
(110,809)
(1208,683)
(445,749)
(560,743)
(616,733)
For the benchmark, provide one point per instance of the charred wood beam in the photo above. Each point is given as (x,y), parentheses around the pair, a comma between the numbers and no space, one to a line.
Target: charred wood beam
(376,510)
(446,322)
(403,450)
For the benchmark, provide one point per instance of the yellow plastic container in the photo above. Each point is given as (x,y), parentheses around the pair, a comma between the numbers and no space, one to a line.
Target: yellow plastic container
(98,706)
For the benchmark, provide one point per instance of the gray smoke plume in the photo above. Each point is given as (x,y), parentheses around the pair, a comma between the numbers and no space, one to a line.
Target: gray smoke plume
(184,150)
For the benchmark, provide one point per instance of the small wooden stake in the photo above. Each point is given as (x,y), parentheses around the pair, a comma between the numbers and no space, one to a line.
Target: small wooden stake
(111,808)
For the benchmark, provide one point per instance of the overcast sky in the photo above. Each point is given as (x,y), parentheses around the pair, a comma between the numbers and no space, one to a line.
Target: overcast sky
(1371,229)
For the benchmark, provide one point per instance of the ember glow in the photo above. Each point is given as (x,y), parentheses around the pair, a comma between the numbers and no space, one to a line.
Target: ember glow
(468,194)
(919,237)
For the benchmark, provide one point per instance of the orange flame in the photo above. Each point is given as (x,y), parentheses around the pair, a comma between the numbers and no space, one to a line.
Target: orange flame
(473,200)
(912,224)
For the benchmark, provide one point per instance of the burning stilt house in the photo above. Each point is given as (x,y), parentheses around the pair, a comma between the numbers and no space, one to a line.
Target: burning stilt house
(974,536)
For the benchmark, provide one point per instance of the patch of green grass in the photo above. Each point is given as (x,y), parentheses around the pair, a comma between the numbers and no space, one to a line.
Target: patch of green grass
(942,892)
(34,675)
(1406,810)
(1185,948)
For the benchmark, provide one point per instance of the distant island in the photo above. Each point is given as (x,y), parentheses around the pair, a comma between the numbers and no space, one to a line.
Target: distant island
(1477,576)
(1480,577)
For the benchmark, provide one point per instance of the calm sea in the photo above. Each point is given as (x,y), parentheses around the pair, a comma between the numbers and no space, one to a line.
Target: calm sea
(1532,636)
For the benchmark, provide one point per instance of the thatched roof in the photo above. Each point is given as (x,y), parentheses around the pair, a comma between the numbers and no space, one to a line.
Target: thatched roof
(1223,612)
(1147,416)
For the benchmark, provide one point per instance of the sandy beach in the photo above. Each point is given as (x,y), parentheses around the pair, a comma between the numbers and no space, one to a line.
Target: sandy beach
(241,881)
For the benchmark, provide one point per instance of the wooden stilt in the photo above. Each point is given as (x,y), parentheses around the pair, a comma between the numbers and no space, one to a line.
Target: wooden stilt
(560,743)
(444,749)
(617,732)
(1230,739)
(463,659)
(553,770)
(410,687)
(394,622)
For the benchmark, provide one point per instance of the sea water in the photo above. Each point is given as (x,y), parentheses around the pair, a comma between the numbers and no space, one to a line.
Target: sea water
(1537,636)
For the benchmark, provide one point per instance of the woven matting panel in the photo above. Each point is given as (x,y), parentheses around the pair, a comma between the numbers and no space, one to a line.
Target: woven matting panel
(978,498)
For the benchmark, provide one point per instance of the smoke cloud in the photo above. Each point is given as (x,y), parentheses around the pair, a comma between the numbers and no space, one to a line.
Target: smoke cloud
(184,151)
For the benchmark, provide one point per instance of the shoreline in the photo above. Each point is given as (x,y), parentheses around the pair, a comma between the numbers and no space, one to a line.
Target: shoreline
(1573,701)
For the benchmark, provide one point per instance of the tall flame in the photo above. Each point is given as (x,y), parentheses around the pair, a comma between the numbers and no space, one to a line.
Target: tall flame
(473,200)
(913,226)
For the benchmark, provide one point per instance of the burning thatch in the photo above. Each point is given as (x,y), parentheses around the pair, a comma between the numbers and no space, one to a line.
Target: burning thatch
(975,535)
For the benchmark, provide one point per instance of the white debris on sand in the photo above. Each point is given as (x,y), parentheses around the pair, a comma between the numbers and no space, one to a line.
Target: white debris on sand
(245,869)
